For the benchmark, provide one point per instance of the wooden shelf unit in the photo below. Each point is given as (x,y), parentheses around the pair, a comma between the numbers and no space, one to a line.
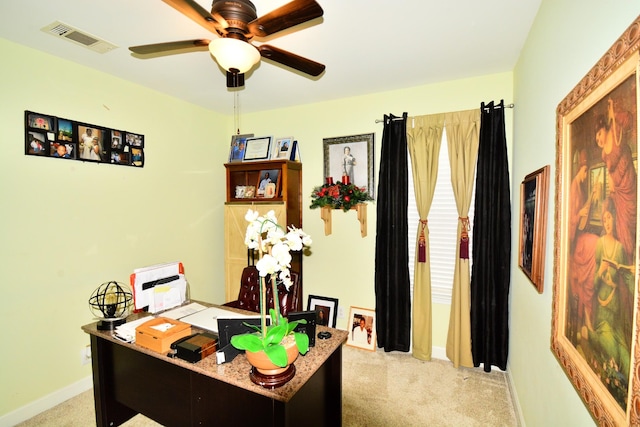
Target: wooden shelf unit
(287,204)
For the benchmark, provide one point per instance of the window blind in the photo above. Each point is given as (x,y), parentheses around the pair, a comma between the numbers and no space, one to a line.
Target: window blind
(443,226)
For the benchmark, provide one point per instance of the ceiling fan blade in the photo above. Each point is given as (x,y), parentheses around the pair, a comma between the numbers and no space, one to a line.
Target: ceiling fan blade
(168,46)
(292,60)
(197,13)
(286,16)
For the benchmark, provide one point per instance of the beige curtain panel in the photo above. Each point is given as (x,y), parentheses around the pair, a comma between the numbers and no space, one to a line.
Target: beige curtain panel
(424,139)
(463,129)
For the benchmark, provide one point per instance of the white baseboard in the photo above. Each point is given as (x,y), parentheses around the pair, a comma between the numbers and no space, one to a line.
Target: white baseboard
(515,400)
(439,353)
(32,409)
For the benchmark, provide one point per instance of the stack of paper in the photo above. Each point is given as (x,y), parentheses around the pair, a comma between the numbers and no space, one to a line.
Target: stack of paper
(184,310)
(208,318)
(127,331)
(159,287)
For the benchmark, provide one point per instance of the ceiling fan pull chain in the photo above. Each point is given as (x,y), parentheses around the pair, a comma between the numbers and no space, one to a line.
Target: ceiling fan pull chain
(236,112)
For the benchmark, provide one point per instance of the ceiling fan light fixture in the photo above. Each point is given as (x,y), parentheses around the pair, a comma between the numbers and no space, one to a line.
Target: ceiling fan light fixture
(232,53)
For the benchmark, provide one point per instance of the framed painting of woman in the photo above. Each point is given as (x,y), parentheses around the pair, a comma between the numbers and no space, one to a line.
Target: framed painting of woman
(595,291)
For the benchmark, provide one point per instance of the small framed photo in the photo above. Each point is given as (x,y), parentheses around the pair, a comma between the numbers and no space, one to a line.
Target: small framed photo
(65,130)
(40,121)
(268,183)
(282,148)
(116,140)
(249,191)
(362,328)
(91,143)
(37,143)
(270,191)
(327,309)
(350,158)
(137,157)
(62,150)
(238,145)
(257,149)
(135,140)
(533,225)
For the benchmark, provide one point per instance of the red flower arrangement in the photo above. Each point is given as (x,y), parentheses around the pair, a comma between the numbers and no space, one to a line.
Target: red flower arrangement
(338,196)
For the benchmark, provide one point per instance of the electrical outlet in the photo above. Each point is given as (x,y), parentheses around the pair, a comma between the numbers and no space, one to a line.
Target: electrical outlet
(85,355)
(340,312)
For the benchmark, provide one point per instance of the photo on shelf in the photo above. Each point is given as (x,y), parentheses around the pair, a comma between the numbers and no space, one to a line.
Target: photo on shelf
(268,183)
(238,145)
(282,148)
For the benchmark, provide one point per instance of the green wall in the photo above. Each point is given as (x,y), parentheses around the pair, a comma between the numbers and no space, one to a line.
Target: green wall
(567,39)
(68,226)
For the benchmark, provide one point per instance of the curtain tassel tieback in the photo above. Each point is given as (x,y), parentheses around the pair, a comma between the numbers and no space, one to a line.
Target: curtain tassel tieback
(422,242)
(464,238)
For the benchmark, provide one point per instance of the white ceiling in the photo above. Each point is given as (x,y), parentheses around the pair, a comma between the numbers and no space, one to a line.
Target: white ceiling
(367,46)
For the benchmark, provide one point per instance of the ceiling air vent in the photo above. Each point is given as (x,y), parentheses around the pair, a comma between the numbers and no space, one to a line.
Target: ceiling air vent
(78,37)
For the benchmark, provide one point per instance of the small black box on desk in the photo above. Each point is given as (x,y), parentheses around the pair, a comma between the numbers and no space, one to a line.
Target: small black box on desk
(308,328)
(197,347)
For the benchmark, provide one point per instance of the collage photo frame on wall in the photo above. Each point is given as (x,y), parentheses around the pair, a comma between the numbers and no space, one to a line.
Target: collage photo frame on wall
(51,136)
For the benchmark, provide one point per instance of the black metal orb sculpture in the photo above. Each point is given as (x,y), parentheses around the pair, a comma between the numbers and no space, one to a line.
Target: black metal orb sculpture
(111,302)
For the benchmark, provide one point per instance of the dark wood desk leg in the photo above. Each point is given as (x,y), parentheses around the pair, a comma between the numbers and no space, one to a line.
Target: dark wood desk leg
(109,412)
(334,388)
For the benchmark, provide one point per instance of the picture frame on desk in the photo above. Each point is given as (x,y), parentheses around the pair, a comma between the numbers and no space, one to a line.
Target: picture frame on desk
(257,149)
(326,307)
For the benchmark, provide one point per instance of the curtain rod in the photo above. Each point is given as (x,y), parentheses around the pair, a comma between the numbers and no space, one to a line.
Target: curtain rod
(495,107)
(393,120)
(512,105)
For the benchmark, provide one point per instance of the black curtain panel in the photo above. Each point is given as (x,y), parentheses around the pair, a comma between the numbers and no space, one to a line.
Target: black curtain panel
(490,277)
(393,300)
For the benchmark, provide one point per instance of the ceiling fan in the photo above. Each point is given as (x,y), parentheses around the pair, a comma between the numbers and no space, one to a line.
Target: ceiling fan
(236,23)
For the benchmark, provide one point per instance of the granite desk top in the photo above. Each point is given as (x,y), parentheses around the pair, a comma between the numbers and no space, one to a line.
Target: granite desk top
(236,372)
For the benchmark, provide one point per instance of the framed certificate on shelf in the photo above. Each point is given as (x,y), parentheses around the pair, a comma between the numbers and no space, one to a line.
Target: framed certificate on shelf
(257,149)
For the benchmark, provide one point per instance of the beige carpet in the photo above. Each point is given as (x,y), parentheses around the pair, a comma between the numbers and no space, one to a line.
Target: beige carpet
(379,389)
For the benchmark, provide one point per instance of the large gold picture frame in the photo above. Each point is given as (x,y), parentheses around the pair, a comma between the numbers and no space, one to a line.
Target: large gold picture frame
(595,290)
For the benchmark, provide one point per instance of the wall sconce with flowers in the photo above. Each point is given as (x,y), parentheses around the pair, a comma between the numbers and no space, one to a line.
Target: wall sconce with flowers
(340,195)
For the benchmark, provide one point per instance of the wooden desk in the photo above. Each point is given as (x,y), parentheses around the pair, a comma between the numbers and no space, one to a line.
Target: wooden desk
(129,379)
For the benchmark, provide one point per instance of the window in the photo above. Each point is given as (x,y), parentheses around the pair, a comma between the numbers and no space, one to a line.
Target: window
(443,225)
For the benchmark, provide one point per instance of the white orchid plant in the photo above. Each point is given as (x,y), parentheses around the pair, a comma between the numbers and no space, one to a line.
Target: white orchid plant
(274,247)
